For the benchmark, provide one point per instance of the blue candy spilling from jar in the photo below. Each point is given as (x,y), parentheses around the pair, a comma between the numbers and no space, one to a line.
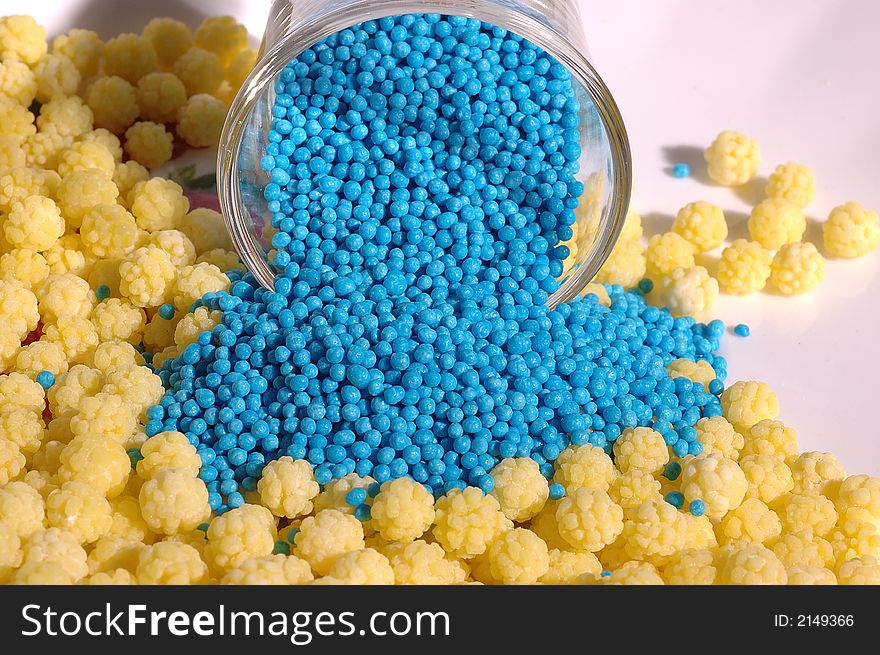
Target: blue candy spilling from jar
(423,174)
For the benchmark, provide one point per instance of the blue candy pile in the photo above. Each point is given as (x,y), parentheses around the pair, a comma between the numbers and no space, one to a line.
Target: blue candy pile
(423,174)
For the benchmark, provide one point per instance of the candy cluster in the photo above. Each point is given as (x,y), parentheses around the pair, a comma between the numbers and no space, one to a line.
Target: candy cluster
(774,254)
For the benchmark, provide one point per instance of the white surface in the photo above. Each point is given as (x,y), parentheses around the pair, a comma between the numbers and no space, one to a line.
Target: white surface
(792,74)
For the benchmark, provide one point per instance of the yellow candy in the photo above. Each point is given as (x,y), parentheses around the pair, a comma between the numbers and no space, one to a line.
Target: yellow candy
(108,231)
(56,76)
(793,182)
(200,71)
(752,521)
(149,144)
(797,268)
(225,260)
(653,531)
(113,356)
(634,487)
(113,102)
(733,158)
(111,553)
(584,466)
(17,390)
(588,519)
(640,448)
(57,546)
(466,522)
(170,38)
(690,566)
(520,488)
(702,224)
(859,571)
(12,460)
(665,253)
(34,223)
(107,139)
(168,450)
(117,319)
(744,267)
(815,472)
(206,229)
(812,512)
(200,120)
(419,562)
(191,325)
(22,38)
(174,500)
(126,176)
(775,222)
(746,403)
(862,493)
(160,96)
(565,567)
(805,574)
(402,510)
(83,190)
(717,435)
(239,67)
(100,463)
(803,548)
(79,508)
(631,573)
(850,231)
(18,309)
(362,567)
(222,35)
(22,508)
(84,155)
(750,564)
(10,552)
(518,556)
(193,282)
(270,570)
(688,291)
(18,82)
(42,356)
(83,47)
(325,537)
(287,487)
(714,479)
(147,276)
(771,437)
(170,562)
(130,56)
(625,266)
(115,577)
(767,475)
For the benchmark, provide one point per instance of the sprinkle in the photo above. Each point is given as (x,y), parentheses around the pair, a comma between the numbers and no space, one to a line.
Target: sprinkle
(681,170)
(675,498)
(166,311)
(45,379)
(697,507)
(102,292)
(742,330)
(557,491)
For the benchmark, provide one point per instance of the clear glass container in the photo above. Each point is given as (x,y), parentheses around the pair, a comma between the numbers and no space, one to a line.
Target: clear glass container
(554,25)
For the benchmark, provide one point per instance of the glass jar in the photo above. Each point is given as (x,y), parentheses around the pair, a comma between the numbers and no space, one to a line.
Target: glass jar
(554,25)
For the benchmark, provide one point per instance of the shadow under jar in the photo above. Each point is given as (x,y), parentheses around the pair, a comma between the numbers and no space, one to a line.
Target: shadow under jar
(554,25)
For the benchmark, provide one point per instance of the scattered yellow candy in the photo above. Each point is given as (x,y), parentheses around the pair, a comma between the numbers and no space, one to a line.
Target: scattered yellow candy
(744,267)
(793,182)
(733,158)
(797,268)
(775,222)
(850,231)
(688,291)
(702,224)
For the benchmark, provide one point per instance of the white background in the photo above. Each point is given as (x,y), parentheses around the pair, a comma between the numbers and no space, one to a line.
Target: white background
(798,76)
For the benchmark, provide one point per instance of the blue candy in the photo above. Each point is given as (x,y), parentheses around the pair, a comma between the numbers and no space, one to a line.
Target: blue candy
(419,192)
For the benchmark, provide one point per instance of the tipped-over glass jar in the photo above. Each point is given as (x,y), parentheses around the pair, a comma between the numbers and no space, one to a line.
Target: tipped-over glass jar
(553,25)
